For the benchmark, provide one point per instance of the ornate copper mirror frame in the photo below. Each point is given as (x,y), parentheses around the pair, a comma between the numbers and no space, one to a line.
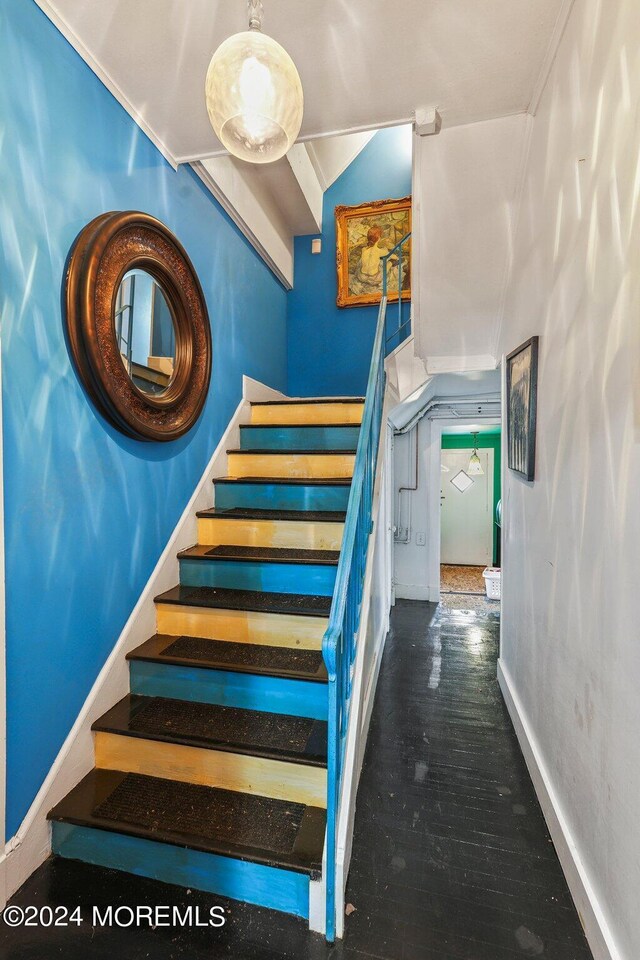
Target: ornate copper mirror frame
(105,250)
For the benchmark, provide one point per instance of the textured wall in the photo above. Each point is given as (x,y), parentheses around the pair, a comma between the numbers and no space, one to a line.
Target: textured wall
(466,186)
(572,538)
(87,510)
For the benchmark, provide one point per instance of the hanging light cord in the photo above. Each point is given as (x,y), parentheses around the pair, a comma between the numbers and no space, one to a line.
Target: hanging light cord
(256,14)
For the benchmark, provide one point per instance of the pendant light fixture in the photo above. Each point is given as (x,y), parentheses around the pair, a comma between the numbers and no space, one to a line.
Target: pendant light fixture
(475,466)
(254,94)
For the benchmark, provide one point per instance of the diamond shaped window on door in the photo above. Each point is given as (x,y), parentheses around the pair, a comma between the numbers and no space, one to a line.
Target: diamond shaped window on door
(462,481)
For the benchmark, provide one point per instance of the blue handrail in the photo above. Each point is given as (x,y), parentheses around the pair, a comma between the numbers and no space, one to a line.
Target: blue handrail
(339,641)
(401,325)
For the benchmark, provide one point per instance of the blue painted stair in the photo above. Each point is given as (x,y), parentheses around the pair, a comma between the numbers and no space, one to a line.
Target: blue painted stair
(211,774)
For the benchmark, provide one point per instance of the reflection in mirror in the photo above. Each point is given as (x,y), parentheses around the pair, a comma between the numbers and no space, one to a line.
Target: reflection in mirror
(145,332)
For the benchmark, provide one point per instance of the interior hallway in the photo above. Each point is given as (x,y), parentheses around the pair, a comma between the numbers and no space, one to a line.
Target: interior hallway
(451,857)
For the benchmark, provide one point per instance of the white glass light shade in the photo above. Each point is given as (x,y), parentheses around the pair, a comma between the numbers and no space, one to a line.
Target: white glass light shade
(254,97)
(475,466)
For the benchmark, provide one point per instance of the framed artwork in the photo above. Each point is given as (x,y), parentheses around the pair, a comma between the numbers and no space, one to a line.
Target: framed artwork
(364,235)
(522,397)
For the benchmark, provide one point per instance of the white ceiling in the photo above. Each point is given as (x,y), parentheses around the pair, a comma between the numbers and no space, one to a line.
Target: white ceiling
(331,156)
(363,63)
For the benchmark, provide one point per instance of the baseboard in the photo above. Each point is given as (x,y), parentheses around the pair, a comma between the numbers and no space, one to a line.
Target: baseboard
(31,845)
(412,591)
(254,391)
(3,880)
(591,914)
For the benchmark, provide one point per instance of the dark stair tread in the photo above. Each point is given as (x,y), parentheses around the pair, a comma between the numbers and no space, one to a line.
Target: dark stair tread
(255,658)
(302,400)
(295,481)
(277,833)
(288,452)
(224,598)
(273,736)
(251,513)
(206,552)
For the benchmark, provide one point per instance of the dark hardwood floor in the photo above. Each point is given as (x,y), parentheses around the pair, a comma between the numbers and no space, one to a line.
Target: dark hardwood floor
(451,859)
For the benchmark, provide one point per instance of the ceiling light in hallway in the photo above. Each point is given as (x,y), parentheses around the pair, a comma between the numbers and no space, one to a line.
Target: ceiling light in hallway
(254,94)
(475,466)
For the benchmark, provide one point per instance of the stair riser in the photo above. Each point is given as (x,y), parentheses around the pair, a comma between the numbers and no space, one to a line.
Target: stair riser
(295,698)
(308,413)
(299,438)
(293,534)
(281,496)
(213,768)
(243,626)
(304,465)
(255,883)
(307,578)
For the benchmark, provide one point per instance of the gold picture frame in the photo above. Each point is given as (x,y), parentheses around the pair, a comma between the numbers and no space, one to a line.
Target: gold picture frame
(364,234)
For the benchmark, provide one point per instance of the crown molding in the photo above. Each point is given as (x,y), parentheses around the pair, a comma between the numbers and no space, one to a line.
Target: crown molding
(305,138)
(240,223)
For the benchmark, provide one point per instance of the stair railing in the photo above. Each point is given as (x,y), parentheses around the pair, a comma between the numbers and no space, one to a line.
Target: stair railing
(339,641)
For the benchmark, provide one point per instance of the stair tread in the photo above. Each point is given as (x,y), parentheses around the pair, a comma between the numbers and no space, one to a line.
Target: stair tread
(303,400)
(296,481)
(278,833)
(225,598)
(295,452)
(207,552)
(255,658)
(299,426)
(272,736)
(251,513)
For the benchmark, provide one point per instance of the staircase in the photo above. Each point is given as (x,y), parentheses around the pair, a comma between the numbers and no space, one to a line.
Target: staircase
(212,772)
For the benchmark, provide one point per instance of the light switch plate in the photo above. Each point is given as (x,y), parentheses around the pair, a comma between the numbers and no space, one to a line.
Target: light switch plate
(421,539)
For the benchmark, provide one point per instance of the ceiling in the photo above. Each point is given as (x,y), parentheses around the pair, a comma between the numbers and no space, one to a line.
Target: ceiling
(331,156)
(363,63)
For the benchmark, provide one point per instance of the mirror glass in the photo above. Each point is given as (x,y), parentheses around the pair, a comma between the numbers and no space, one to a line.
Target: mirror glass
(145,332)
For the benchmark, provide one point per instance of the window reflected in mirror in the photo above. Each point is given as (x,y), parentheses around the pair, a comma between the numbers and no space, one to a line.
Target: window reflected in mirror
(145,332)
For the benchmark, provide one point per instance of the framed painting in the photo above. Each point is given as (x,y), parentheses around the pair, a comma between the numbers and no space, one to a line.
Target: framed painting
(522,398)
(364,235)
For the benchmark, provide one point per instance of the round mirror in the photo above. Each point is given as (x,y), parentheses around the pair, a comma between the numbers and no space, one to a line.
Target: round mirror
(137,325)
(145,332)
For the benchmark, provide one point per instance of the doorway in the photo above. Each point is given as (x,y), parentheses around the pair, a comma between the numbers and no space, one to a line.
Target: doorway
(470,463)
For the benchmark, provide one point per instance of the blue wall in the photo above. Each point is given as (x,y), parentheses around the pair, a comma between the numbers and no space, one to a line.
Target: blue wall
(87,510)
(329,347)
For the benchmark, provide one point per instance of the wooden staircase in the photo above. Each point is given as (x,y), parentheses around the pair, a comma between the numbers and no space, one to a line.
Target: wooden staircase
(212,772)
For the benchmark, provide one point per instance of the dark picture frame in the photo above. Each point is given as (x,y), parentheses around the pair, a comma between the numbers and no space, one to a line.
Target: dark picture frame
(522,403)
(105,250)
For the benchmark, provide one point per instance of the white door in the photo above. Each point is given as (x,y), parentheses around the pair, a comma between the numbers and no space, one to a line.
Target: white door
(467,509)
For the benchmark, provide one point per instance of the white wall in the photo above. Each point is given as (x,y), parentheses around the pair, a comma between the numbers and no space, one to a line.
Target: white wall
(571,629)
(465,189)
(411,574)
